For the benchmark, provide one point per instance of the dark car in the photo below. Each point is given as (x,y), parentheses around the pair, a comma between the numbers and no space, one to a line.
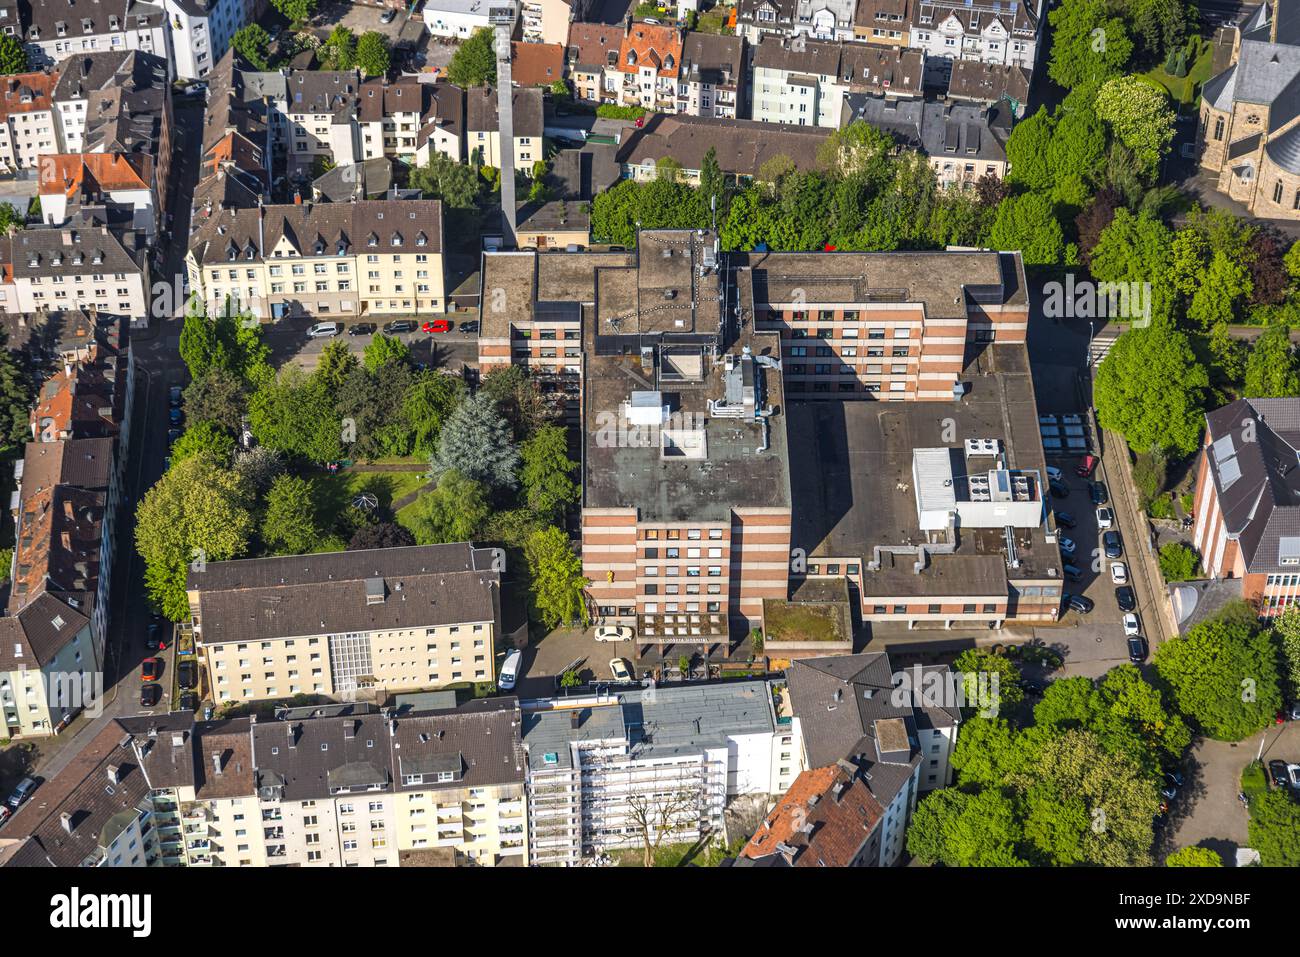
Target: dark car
(387,16)
(1065,519)
(174,396)
(1175,778)
(1168,792)
(399,325)
(172,436)
(1125,598)
(155,640)
(362,329)
(1137,649)
(150,695)
(1277,771)
(1110,541)
(1058,489)
(1072,572)
(187,674)
(151,669)
(175,416)
(469,325)
(1098,492)
(189,701)
(1080,603)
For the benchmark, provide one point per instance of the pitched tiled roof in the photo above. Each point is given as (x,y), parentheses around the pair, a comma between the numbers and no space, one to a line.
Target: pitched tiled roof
(645,44)
(822,821)
(27,92)
(536,64)
(742,146)
(593,46)
(525,102)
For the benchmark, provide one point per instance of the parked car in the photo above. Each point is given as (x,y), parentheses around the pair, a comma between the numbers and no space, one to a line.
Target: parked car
(189,701)
(1168,791)
(1290,711)
(1278,773)
(620,669)
(1087,465)
(362,329)
(1058,489)
(1072,573)
(399,326)
(1137,649)
(195,89)
(1131,625)
(388,16)
(5,814)
(172,436)
(1080,603)
(151,669)
(469,325)
(1067,546)
(613,633)
(510,671)
(1054,474)
(1065,519)
(150,695)
(1293,773)
(437,325)
(1175,778)
(1105,518)
(174,396)
(1098,492)
(175,416)
(1110,541)
(1125,598)
(187,674)
(155,640)
(1118,573)
(21,793)
(323,330)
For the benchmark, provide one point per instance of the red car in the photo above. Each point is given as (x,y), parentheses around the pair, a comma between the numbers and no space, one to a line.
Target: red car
(1086,466)
(437,325)
(151,669)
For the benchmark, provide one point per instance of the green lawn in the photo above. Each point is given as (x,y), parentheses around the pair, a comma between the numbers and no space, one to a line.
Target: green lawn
(1185,89)
(334,493)
(714,21)
(1253,781)
(681,855)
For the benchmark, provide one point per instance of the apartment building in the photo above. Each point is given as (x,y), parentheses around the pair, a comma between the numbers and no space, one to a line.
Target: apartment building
(89,263)
(347,624)
(536,64)
(1249,134)
(119,103)
(649,66)
(483,127)
(459,18)
(202,31)
(321,113)
(990,85)
(72,181)
(964,142)
(605,770)
(370,257)
(742,147)
(592,60)
(52,32)
(883,22)
(27,125)
(712,81)
(828,818)
(686,474)
(818,19)
(991,31)
(410,121)
(853,713)
(804,82)
(1245,511)
(549,21)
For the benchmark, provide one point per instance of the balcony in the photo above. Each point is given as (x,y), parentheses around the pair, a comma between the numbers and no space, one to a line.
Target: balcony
(273,833)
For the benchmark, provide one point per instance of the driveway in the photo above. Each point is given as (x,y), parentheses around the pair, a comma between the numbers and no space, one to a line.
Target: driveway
(360,17)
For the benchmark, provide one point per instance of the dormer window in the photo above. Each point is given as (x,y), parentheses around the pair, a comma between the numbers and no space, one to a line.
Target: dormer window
(56,259)
(249,252)
(61,28)
(98,258)
(87,26)
(343,248)
(320,246)
(421,240)
(112,22)
(631,58)
(372,240)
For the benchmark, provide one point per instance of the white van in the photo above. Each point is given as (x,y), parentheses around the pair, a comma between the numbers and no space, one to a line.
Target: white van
(510,671)
(323,329)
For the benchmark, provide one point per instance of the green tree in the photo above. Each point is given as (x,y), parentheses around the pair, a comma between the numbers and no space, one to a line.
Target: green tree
(546,473)
(371,410)
(456,184)
(1222,292)
(385,350)
(1151,389)
(16,398)
(713,182)
(452,512)
(476,442)
(1028,223)
(11,219)
(336,363)
(1089,44)
(1140,115)
(295,11)
(1178,562)
(373,56)
(985,664)
(475,61)
(198,344)
(257,468)
(381,535)
(426,407)
(13,57)
(339,52)
(1194,857)
(1272,367)
(1286,627)
(516,396)
(557,587)
(1027,149)
(203,436)
(197,513)
(1274,829)
(294,414)
(217,396)
(958,829)
(289,526)
(251,43)
(1223,674)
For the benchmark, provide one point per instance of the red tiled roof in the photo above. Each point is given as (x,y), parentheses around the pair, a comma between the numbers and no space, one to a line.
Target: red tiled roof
(822,821)
(648,43)
(536,64)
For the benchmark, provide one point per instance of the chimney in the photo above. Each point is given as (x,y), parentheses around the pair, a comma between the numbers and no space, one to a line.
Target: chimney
(216,762)
(66,820)
(114,774)
(293,734)
(575,718)
(349,729)
(297,199)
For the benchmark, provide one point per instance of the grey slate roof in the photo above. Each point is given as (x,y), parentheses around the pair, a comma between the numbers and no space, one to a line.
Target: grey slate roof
(958,130)
(481,110)
(1285,150)
(1269,74)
